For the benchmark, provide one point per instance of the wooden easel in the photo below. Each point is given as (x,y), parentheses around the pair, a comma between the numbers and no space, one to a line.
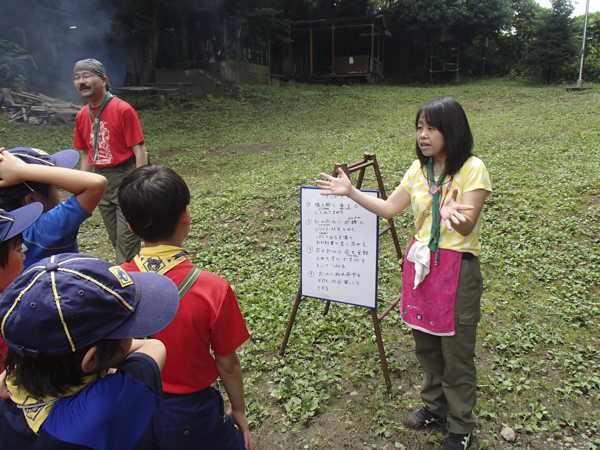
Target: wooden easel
(368,160)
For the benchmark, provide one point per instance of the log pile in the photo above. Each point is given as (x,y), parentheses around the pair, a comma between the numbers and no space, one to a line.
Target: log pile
(35,108)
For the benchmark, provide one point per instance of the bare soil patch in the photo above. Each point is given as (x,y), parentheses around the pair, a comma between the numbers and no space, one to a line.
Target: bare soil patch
(170,152)
(248,149)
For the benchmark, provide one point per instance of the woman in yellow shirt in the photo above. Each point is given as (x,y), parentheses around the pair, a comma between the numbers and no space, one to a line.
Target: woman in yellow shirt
(442,285)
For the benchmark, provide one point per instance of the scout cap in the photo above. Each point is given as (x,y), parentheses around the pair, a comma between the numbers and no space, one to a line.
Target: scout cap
(66,302)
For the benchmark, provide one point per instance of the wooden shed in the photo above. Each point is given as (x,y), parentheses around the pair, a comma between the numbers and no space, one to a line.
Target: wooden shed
(333,48)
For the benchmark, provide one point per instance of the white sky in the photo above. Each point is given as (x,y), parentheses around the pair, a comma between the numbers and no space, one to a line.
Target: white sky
(579,6)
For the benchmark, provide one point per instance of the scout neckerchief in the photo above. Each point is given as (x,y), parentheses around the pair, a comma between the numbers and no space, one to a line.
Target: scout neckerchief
(435,190)
(160,259)
(36,410)
(96,118)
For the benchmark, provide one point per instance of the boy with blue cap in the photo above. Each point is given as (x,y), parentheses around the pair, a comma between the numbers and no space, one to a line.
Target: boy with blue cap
(67,320)
(31,175)
(12,225)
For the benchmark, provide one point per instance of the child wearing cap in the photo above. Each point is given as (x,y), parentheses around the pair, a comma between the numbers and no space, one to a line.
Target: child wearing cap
(67,321)
(30,175)
(155,201)
(12,225)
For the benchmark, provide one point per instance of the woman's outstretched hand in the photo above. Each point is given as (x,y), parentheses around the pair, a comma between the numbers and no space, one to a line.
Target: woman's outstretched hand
(451,211)
(335,186)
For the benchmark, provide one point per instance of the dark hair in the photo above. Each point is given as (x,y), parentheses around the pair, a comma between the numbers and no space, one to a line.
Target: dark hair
(41,188)
(447,116)
(152,199)
(50,376)
(7,246)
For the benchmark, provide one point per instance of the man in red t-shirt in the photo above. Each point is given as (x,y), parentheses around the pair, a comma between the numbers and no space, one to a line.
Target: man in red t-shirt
(155,201)
(109,134)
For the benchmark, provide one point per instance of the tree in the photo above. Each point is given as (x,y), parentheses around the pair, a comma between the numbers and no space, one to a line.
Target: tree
(140,21)
(507,50)
(552,53)
(591,68)
(12,56)
(414,23)
(266,25)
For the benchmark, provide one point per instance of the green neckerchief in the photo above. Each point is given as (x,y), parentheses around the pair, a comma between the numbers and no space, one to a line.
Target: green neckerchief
(434,241)
(96,118)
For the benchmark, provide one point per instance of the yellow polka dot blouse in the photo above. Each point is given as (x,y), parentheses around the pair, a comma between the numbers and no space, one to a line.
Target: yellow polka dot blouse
(472,175)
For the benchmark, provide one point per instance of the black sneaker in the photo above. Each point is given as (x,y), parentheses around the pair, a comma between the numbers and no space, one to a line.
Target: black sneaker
(456,441)
(421,419)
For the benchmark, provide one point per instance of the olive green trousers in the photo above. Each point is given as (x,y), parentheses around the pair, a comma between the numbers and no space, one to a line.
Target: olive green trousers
(448,362)
(125,243)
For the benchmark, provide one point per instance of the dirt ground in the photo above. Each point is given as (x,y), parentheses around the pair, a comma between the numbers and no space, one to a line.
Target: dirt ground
(339,427)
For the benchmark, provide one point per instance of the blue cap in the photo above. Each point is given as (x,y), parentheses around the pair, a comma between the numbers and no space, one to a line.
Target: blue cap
(65,158)
(15,222)
(67,302)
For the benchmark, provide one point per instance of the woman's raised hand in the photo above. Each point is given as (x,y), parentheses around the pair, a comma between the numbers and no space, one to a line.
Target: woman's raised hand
(335,186)
(451,211)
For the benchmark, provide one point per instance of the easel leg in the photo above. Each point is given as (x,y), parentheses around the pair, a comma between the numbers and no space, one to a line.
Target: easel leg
(384,366)
(290,323)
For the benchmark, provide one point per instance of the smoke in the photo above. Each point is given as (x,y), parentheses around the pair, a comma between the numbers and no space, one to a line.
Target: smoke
(58,33)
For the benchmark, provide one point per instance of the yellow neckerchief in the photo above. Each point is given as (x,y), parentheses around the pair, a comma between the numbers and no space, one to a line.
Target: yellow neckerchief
(160,259)
(36,410)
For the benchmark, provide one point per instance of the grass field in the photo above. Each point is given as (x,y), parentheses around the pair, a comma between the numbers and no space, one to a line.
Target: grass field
(539,339)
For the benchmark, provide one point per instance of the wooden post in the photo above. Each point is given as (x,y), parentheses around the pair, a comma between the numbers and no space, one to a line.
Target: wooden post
(382,51)
(372,45)
(390,226)
(379,68)
(288,331)
(384,366)
(184,47)
(332,49)
(291,54)
(311,52)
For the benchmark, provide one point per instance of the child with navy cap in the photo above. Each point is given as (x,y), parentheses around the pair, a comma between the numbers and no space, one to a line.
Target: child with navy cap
(12,225)
(67,320)
(30,175)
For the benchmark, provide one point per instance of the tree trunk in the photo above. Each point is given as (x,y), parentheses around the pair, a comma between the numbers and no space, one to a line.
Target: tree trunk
(427,55)
(151,44)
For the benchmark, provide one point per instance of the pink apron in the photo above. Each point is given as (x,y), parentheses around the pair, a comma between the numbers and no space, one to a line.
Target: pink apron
(430,307)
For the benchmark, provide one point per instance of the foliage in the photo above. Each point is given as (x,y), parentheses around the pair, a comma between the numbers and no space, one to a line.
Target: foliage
(464,20)
(591,70)
(538,347)
(266,25)
(141,20)
(415,23)
(11,56)
(552,53)
(507,50)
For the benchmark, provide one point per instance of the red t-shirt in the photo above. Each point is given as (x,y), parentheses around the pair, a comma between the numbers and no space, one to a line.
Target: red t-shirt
(208,317)
(120,129)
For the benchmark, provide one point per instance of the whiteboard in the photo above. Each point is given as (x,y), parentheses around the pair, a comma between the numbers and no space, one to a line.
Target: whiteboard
(340,244)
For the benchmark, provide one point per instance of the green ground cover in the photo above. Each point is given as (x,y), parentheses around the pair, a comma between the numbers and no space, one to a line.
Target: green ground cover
(539,340)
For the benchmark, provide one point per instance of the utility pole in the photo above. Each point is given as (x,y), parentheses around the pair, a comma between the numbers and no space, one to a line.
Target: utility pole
(580,80)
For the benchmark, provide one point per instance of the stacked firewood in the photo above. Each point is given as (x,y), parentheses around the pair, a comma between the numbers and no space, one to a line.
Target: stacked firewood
(35,108)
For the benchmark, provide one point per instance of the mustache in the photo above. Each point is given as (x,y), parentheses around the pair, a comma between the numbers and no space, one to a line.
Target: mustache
(84,86)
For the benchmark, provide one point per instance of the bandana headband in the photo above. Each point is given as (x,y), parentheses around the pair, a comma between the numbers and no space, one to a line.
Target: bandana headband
(94,66)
